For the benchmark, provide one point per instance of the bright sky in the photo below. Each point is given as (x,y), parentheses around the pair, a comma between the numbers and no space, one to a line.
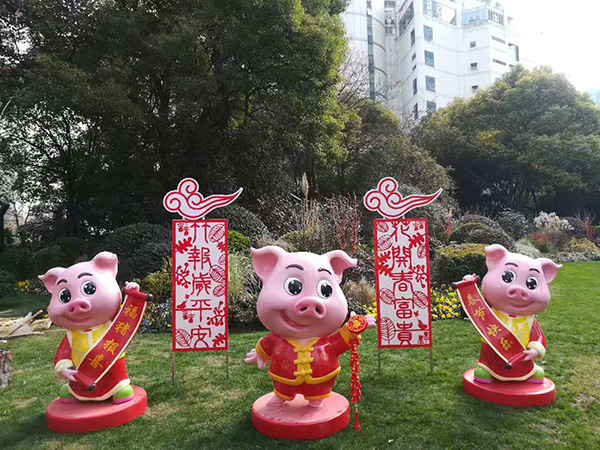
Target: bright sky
(569,36)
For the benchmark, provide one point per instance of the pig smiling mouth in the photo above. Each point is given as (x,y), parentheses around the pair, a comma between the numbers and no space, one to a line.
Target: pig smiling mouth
(291,323)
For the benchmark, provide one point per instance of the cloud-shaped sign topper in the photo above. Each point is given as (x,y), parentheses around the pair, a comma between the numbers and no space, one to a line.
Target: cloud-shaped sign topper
(389,202)
(190,203)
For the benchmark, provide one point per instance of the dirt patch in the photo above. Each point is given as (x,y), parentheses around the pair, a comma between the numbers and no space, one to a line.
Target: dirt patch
(160,410)
(25,403)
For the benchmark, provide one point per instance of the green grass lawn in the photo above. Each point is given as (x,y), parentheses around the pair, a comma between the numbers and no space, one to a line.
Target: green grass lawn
(21,304)
(404,407)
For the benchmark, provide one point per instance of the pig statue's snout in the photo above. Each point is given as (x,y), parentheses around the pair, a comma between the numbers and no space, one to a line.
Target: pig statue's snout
(310,307)
(517,293)
(79,307)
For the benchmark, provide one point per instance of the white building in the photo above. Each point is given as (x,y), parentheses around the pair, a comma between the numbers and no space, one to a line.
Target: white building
(438,50)
(365,29)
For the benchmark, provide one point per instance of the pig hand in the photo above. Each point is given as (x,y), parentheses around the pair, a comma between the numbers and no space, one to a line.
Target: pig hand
(131,286)
(69,374)
(371,322)
(531,354)
(252,357)
(470,278)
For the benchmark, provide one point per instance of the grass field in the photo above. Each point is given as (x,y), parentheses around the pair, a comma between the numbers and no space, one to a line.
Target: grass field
(404,407)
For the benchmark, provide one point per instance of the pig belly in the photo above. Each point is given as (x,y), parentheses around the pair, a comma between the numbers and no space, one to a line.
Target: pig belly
(115,379)
(309,391)
(489,360)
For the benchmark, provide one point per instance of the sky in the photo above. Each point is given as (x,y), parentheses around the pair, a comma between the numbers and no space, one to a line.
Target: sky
(568,36)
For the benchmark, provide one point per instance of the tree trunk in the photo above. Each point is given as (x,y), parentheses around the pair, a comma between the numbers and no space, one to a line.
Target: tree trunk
(6,368)
(3,209)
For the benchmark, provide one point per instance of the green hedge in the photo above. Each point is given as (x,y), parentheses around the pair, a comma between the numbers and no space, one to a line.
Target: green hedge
(242,220)
(479,233)
(237,242)
(455,261)
(7,284)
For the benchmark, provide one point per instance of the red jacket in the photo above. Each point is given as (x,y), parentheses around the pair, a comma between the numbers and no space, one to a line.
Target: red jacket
(315,362)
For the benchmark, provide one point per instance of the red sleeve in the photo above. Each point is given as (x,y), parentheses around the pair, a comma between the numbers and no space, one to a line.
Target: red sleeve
(265,346)
(63,352)
(537,334)
(340,341)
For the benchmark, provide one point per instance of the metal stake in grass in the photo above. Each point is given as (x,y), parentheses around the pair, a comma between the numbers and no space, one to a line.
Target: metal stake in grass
(172,366)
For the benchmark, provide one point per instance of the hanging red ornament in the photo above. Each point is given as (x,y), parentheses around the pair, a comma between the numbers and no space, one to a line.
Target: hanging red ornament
(356,325)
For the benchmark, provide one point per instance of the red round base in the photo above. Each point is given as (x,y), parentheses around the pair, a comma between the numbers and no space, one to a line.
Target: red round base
(513,393)
(296,420)
(85,417)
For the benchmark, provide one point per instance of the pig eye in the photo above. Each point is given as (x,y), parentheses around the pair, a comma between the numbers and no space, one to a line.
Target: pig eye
(324,289)
(531,283)
(293,286)
(508,276)
(88,288)
(64,296)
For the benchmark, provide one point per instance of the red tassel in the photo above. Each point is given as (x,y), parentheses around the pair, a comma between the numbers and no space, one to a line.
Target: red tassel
(356,423)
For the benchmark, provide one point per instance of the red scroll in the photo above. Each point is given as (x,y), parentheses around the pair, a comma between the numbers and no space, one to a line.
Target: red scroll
(402,282)
(200,285)
(492,330)
(101,357)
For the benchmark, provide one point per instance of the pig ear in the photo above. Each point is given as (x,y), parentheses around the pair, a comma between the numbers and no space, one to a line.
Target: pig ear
(494,254)
(339,261)
(265,259)
(50,277)
(106,262)
(550,268)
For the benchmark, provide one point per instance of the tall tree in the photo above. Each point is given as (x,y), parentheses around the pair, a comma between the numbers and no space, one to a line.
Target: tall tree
(530,142)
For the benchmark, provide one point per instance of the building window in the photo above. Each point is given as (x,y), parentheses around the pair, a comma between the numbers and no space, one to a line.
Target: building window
(497,39)
(473,44)
(496,17)
(474,66)
(414,67)
(430,84)
(429,58)
(407,17)
(413,57)
(428,32)
(431,106)
(369,39)
(497,61)
(439,11)
(516,50)
(415,86)
(412,37)
(478,15)
(416,110)
(474,87)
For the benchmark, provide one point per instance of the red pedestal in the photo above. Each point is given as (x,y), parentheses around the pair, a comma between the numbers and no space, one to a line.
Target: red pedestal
(297,420)
(513,393)
(85,417)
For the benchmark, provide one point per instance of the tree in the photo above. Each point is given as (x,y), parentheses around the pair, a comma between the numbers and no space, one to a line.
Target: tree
(529,142)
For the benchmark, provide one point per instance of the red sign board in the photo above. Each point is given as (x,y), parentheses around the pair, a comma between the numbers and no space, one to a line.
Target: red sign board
(402,282)
(200,285)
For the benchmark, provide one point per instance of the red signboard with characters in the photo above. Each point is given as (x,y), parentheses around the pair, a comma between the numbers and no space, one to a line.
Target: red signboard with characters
(200,285)
(402,282)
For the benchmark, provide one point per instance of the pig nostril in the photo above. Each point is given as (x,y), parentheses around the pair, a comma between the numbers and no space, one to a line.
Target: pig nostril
(318,310)
(303,309)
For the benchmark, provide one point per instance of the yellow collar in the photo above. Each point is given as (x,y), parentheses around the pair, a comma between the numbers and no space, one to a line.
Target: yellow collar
(298,347)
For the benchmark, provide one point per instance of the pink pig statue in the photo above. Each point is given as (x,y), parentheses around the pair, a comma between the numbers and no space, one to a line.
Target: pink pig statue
(516,288)
(303,306)
(85,300)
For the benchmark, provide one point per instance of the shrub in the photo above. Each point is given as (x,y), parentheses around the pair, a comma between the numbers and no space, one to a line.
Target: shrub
(479,233)
(242,282)
(304,241)
(158,283)
(526,249)
(551,223)
(268,240)
(514,223)
(361,292)
(563,257)
(7,284)
(582,245)
(157,318)
(242,314)
(476,218)
(237,242)
(455,261)
(141,249)
(577,226)
(33,286)
(19,262)
(242,220)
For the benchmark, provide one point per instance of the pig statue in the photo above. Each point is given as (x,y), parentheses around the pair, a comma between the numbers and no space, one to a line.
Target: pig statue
(85,300)
(302,305)
(516,288)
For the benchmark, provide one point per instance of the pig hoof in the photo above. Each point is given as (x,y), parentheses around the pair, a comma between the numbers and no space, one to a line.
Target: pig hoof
(482,376)
(276,401)
(315,403)
(123,395)
(65,396)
